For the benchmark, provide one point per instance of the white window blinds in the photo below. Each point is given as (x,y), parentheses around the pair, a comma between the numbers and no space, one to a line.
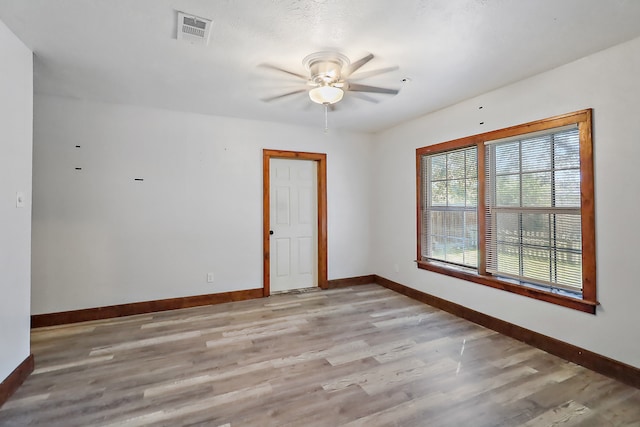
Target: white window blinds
(533,216)
(449,207)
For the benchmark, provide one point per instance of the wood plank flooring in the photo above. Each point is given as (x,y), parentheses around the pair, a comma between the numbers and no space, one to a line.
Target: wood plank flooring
(361,356)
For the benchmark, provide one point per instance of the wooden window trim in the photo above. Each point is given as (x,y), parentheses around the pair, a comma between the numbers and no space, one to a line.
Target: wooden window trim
(583,119)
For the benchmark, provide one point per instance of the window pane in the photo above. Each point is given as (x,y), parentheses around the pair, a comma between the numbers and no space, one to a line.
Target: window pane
(566,149)
(437,247)
(569,269)
(455,224)
(536,189)
(438,167)
(535,230)
(508,158)
(455,165)
(439,193)
(471,227)
(536,154)
(472,163)
(437,223)
(472,192)
(536,264)
(455,251)
(509,259)
(568,232)
(456,192)
(567,184)
(471,238)
(508,228)
(437,235)
(508,190)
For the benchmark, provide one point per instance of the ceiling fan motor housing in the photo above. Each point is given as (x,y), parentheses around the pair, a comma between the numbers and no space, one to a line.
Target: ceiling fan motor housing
(325,68)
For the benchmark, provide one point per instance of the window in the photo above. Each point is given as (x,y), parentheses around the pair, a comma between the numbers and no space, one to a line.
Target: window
(513,209)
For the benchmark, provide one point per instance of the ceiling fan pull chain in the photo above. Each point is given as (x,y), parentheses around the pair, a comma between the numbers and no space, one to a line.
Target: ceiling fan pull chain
(326,117)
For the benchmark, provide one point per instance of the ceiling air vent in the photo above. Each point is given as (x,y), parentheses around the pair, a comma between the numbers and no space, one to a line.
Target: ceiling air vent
(193,29)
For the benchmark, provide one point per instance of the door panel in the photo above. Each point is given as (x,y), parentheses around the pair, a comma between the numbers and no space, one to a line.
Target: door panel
(283,257)
(305,206)
(283,206)
(305,255)
(293,205)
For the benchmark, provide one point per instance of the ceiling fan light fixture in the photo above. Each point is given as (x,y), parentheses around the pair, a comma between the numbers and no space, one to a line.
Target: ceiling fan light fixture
(326,94)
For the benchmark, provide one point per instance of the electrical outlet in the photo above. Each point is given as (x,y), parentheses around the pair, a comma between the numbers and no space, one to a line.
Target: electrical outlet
(209,277)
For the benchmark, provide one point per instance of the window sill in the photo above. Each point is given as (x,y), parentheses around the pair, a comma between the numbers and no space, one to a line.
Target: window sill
(565,301)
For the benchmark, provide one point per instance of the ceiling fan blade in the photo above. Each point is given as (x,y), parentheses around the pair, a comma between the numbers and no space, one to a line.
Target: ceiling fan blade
(361,95)
(359,63)
(273,98)
(367,74)
(273,67)
(355,87)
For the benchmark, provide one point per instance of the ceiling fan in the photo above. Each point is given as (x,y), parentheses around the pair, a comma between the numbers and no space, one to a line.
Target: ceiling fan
(330,76)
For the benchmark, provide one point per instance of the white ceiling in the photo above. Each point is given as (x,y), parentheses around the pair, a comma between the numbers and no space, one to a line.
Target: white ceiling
(126,51)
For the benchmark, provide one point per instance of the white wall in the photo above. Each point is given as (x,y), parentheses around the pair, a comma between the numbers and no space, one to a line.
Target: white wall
(607,82)
(16,113)
(101,238)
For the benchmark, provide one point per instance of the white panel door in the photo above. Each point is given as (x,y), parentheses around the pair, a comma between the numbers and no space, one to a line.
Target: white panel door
(293,245)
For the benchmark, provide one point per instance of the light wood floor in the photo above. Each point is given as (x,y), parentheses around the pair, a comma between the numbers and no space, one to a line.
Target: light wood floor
(362,356)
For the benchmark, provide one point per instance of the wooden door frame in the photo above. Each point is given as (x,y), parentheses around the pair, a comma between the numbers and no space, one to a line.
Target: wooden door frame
(321,170)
